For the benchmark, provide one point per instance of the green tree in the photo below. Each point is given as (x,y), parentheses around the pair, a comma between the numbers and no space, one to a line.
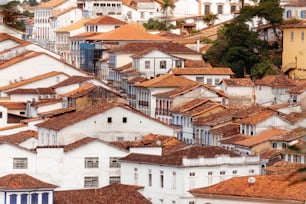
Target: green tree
(209,19)
(154,24)
(166,7)
(262,68)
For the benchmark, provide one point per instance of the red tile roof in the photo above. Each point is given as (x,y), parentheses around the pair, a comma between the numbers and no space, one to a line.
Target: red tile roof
(290,135)
(168,47)
(36,91)
(220,117)
(264,136)
(265,187)
(238,82)
(56,112)
(202,71)
(259,117)
(14,105)
(128,32)
(196,64)
(176,158)
(105,20)
(276,81)
(19,137)
(282,167)
(226,130)
(23,181)
(167,80)
(115,194)
(73,80)
(294,117)
(50,4)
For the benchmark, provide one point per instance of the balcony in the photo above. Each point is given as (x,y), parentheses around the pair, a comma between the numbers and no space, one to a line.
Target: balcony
(143,103)
(161,111)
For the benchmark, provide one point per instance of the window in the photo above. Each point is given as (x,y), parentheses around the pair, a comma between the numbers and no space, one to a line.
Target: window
(142,14)
(135,176)
(234,171)
(206,9)
(114,179)
(178,63)
(220,9)
(147,64)
(284,146)
(209,81)
(161,179)
(191,202)
(192,174)
(292,35)
(210,173)
(217,80)
(251,171)
(289,14)
(45,198)
(150,177)
(302,35)
(109,120)
(174,180)
(91,162)
(303,14)
(222,172)
(24,198)
(200,79)
(274,145)
(34,198)
(162,64)
(124,119)
(0,114)
(20,163)
(114,162)
(91,181)
(233,8)
(13,199)
(119,138)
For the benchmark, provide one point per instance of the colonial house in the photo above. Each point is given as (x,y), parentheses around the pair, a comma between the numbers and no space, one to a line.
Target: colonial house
(293,62)
(169,177)
(33,94)
(297,93)
(93,8)
(42,19)
(294,9)
(165,101)
(256,190)
(273,89)
(22,188)
(25,139)
(283,141)
(206,75)
(139,10)
(223,132)
(34,108)
(102,121)
(239,90)
(21,67)
(41,81)
(145,90)
(183,116)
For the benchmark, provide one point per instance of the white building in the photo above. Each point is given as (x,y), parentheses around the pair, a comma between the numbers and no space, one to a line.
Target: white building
(168,178)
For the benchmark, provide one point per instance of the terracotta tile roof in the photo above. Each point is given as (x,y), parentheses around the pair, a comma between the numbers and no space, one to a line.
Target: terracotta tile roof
(135,80)
(168,34)
(182,90)
(189,105)
(84,36)
(282,167)
(128,32)
(223,116)
(169,144)
(77,116)
(123,67)
(167,80)
(196,64)
(265,187)
(47,102)
(244,112)
(82,90)
(300,88)
(202,71)
(238,82)
(205,48)
(258,117)
(279,105)
(56,112)
(234,139)
(290,135)
(23,181)
(78,143)
(50,4)
(276,81)
(294,117)
(270,154)
(168,47)
(30,80)
(37,91)
(105,20)
(72,80)
(5,37)
(11,127)
(115,194)
(204,108)
(226,130)
(264,136)
(14,105)
(74,26)
(22,57)
(19,137)
(176,158)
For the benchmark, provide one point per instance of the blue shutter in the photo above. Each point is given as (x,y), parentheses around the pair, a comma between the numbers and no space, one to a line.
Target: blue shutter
(45,198)
(302,14)
(13,199)
(24,198)
(34,198)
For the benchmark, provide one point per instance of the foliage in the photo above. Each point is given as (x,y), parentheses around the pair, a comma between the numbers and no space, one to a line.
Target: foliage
(195,31)
(167,6)
(240,48)
(209,19)
(33,3)
(29,14)
(154,24)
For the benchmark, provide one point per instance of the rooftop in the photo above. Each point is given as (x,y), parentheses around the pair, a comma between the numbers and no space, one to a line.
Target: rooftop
(19,137)
(238,82)
(202,71)
(276,81)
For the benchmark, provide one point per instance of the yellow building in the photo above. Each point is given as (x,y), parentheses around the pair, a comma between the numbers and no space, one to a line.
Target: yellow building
(294,50)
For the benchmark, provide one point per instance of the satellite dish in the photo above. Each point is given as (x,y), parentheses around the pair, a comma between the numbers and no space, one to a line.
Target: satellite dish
(251,180)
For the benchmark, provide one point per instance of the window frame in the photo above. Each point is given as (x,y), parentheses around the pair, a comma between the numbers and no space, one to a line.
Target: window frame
(91,162)
(20,163)
(91,181)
